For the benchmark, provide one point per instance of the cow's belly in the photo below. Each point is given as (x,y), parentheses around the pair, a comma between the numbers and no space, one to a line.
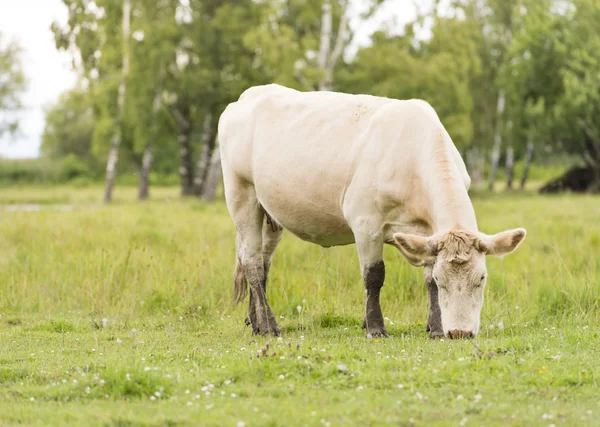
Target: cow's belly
(315,221)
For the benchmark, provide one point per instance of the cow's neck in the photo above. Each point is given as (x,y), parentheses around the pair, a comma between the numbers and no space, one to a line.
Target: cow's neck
(451,207)
(452,210)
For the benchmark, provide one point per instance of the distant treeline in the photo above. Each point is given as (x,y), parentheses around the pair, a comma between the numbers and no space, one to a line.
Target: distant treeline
(515,82)
(71,171)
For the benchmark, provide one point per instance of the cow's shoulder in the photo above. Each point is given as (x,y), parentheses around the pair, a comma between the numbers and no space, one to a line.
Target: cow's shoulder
(259,91)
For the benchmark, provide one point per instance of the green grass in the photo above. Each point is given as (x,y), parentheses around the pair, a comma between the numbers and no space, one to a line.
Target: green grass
(121,315)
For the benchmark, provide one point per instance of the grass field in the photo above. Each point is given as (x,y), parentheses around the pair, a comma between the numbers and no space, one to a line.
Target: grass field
(121,315)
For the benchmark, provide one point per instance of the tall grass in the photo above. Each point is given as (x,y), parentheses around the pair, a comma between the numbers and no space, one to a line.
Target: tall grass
(140,259)
(121,315)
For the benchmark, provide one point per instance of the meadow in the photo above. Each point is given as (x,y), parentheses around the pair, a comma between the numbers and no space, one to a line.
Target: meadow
(122,315)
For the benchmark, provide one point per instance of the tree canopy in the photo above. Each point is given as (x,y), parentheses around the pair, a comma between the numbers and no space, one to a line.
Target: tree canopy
(12,85)
(500,73)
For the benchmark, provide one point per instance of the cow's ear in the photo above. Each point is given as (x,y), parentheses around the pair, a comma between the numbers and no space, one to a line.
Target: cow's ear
(501,244)
(418,250)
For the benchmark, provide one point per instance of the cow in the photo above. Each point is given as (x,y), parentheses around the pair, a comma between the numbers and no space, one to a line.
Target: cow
(336,169)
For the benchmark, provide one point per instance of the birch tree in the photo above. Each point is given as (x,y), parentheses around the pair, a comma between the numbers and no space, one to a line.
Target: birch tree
(496,149)
(527,163)
(301,44)
(113,154)
(328,58)
(203,164)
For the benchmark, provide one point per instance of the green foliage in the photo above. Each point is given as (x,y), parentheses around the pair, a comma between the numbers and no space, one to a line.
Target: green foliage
(69,129)
(189,60)
(439,71)
(12,84)
(28,171)
(553,78)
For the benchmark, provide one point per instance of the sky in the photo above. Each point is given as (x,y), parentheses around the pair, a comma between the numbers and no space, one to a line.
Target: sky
(49,72)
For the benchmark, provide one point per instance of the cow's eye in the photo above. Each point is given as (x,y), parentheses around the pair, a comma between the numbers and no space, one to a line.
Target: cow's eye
(483,276)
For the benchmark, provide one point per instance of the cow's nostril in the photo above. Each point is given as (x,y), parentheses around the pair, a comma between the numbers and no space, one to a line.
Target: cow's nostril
(455,334)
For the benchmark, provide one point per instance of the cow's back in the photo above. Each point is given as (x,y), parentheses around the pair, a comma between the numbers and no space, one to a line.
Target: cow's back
(302,151)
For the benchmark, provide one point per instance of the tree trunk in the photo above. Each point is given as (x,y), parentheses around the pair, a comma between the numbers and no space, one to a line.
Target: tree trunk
(469,161)
(475,165)
(480,165)
(328,59)
(510,167)
(214,175)
(204,158)
(143,193)
(528,158)
(495,159)
(325,43)
(186,171)
(593,165)
(113,155)
(111,166)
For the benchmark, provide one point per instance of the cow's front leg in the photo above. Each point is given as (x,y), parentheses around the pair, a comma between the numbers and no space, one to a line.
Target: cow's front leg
(370,252)
(374,276)
(434,319)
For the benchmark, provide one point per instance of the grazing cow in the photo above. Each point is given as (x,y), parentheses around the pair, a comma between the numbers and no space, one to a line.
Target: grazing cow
(336,169)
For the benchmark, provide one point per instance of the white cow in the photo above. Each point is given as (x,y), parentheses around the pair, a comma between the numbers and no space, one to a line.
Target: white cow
(336,169)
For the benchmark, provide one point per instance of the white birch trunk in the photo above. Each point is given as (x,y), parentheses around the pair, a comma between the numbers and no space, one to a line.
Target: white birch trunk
(510,167)
(495,159)
(145,172)
(343,37)
(113,155)
(214,174)
(328,58)
(204,158)
(325,43)
(528,158)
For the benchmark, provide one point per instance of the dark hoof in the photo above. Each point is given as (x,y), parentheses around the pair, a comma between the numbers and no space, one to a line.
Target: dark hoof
(247,321)
(272,331)
(377,333)
(427,329)
(436,334)
(364,324)
(267,328)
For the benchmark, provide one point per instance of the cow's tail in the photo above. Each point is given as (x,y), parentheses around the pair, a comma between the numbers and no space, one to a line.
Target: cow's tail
(240,284)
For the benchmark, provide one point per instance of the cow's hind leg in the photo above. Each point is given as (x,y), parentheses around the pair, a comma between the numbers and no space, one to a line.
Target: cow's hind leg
(370,253)
(271,236)
(248,217)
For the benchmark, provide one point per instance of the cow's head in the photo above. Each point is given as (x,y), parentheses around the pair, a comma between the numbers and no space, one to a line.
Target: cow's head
(455,260)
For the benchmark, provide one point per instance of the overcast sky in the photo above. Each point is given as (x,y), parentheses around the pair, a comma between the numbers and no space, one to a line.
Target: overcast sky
(49,72)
